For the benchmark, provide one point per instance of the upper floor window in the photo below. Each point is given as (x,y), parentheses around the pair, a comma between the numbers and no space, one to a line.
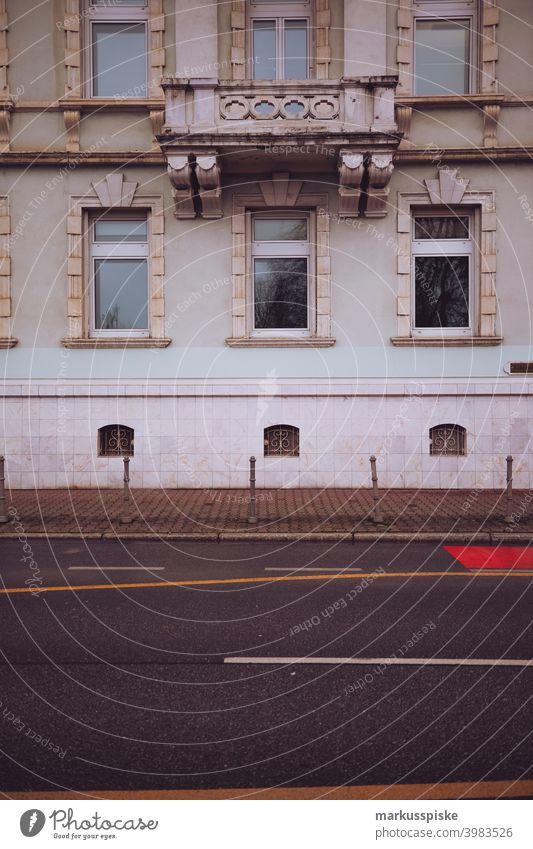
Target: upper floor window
(281,254)
(119,275)
(116,54)
(442,267)
(444,47)
(279,41)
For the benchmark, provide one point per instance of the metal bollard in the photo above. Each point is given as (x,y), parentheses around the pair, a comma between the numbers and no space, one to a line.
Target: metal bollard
(377,517)
(3,517)
(126,518)
(508,518)
(252,515)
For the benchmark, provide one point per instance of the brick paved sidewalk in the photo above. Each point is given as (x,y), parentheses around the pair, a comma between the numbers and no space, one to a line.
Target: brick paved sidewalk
(294,511)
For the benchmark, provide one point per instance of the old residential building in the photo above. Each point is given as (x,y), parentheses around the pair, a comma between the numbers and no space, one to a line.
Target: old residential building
(299,230)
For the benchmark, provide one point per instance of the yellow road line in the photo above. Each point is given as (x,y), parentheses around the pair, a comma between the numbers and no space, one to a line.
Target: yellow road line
(452,790)
(264,580)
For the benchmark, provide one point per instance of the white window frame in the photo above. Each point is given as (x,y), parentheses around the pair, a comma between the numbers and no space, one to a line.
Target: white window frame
(274,250)
(453,11)
(445,247)
(280,12)
(117,250)
(113,14)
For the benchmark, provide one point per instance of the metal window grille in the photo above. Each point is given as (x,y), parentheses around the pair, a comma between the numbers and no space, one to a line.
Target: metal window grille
(282,441)
(447,440)
(115,441)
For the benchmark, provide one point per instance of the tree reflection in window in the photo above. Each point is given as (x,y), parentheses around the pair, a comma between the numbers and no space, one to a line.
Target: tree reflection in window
(442,291)
(280,293)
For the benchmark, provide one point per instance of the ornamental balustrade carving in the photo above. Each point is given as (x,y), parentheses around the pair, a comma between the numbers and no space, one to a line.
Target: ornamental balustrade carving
(363,104)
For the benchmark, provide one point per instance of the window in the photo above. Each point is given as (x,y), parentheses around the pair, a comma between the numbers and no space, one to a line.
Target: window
(119,275)
(116,55)
(279,40)
(447,440)
(115,441)
(444,47)
(442,273)
(280,259)
(282,441)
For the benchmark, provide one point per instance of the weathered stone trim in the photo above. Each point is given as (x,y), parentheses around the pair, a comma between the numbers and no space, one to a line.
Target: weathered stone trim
(156,35)
(238,40)
(113,192)
(6,339)
(72,26)
(404,50)
(489,46)
(321,24)
(448,190)
(280,192)
(6,103)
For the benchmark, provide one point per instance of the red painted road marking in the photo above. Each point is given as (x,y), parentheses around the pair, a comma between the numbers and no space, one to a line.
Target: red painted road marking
(492,557)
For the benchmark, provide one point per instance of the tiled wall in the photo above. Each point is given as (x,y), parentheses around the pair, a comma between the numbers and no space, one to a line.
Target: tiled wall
(202,436)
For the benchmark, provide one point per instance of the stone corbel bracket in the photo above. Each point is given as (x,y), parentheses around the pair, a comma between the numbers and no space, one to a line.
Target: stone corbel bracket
(196,185)
(363,183)
(71,118)
(208,174)
(403,115)
(380,168)
(180,173)
(491,118)
(351,170)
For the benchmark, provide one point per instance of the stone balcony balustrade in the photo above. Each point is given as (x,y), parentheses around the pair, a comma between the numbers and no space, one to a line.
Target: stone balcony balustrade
(310,126)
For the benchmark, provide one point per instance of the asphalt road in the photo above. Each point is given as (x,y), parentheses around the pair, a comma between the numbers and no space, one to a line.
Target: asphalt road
(235,667)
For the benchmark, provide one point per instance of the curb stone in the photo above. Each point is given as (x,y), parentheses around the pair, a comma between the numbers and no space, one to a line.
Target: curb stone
(443,537)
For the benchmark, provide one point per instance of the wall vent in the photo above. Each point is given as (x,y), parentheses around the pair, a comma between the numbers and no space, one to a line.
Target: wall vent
(521,368)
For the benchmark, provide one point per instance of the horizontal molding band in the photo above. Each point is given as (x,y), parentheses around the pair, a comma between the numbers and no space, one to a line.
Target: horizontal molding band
(85,159)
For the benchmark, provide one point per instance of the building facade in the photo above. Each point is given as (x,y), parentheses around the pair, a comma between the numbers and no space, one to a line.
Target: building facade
(295,230)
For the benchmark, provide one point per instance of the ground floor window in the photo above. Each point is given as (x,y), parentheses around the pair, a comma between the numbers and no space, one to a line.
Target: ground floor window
(282,441)
(442,273)
(281,273)
(119,274)
(447,440)
(115,441)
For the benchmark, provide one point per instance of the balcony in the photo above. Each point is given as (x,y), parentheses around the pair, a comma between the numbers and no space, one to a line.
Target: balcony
(311,126)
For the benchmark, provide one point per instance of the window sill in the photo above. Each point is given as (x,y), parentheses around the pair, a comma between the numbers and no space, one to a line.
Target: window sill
(446,341)
(98,104)
(116,342)
(443,100)
(280,342)
(8,342)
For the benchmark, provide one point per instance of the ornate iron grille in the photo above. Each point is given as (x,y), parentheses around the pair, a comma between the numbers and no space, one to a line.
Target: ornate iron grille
(115,441)
(447,440)
(282,441)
